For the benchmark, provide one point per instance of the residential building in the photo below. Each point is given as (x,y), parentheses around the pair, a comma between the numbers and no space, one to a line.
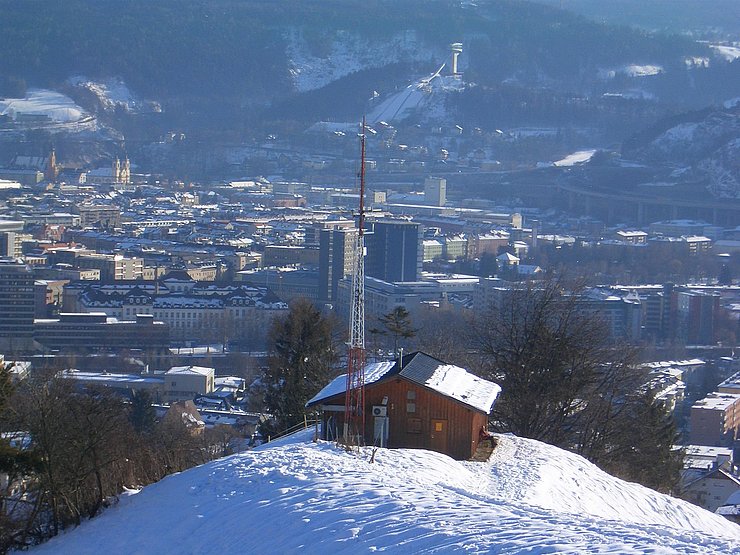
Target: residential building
(113,267)
(631,237)
(11,238)
(435,191)
(667,388)
(17,303)
(394,250)
(713,489)
(73,332)
(99,215)
(696,312)
(487,243)
(455,247)
(49,297)
(433,249)
(183,383)
(730,385)
(715,420)
(698,244)
(336,259)
(621,313)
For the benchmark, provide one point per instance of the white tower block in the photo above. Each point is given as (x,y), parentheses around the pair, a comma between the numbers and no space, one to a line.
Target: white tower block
(457,49)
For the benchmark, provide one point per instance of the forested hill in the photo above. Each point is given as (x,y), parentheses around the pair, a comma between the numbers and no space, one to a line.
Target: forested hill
(715,18)
(240,48)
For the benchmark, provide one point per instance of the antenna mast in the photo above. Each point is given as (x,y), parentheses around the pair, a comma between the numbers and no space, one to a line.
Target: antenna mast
(354,406)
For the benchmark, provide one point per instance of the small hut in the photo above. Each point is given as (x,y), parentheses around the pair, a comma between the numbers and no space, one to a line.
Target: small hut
(415,401)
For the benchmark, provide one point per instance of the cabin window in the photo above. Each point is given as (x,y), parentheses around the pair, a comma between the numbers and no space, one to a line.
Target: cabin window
(413,425)
(410,407)
(411,395)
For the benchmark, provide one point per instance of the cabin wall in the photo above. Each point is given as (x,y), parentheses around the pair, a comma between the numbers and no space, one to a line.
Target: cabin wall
(413,413)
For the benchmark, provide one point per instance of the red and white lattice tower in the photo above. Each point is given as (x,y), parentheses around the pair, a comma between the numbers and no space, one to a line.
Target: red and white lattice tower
(354,405)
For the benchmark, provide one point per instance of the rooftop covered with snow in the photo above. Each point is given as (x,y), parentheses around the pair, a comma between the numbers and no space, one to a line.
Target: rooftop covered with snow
(447,379)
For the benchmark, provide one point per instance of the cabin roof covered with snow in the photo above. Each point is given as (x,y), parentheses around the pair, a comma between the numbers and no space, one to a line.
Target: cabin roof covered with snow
(447,379)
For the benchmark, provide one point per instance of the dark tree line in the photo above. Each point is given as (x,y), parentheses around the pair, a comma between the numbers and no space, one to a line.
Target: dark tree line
(67,455)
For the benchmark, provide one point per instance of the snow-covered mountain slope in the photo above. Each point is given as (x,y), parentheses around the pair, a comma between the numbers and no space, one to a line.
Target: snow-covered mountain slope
(349,52)
(295,496)
(708,143)
(113,93)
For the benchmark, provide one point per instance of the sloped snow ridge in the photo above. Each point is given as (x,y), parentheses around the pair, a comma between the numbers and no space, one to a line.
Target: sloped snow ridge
(296,496)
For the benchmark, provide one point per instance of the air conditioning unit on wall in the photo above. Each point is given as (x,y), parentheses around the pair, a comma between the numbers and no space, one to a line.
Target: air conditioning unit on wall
(380,411)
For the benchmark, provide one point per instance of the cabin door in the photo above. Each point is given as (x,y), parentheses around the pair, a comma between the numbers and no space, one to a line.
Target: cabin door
(380,435)
(438,440)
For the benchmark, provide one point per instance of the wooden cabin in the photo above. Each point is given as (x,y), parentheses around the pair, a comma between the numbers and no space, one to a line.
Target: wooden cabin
(416,401)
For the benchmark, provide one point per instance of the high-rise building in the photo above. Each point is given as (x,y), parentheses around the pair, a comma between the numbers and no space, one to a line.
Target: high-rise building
(394,250)
(696,312)
(17,300)
(435,191)
(336,250)
(11,238)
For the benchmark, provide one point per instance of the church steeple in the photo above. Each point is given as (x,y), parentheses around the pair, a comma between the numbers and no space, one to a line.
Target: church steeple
(126,171)
(52,169)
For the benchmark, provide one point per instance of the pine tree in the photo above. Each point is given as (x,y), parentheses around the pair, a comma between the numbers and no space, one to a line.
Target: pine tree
(397,324)
(646,452)
(142,416)
(301,362)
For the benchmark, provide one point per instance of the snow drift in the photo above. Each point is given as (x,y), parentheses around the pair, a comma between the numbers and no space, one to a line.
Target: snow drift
(296,496)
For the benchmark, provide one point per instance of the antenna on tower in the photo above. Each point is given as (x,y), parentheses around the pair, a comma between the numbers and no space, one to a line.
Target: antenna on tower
(354,404)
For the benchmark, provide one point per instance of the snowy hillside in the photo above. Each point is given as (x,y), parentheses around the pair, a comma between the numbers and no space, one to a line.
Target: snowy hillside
(709,143)
(295,496)
(113,93)
(347,53)
(55,106)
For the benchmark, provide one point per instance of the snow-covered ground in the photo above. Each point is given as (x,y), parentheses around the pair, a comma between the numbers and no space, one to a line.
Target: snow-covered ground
(425,94)
(631,70)
(295,496)
(728,52)
(42,102)
(579,157)
(347,53)
(113,92)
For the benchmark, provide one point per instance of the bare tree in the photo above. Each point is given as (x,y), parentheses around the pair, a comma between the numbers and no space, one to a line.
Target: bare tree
(444,333)
(563,381)
(545,354)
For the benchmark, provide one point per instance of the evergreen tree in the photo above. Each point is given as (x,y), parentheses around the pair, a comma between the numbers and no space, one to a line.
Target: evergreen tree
(725,275)
(8,454)
(143,416)
(300,364)
(397,324)
(647,453)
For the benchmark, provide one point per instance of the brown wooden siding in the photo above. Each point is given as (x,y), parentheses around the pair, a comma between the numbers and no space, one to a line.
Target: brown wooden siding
(414,429)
